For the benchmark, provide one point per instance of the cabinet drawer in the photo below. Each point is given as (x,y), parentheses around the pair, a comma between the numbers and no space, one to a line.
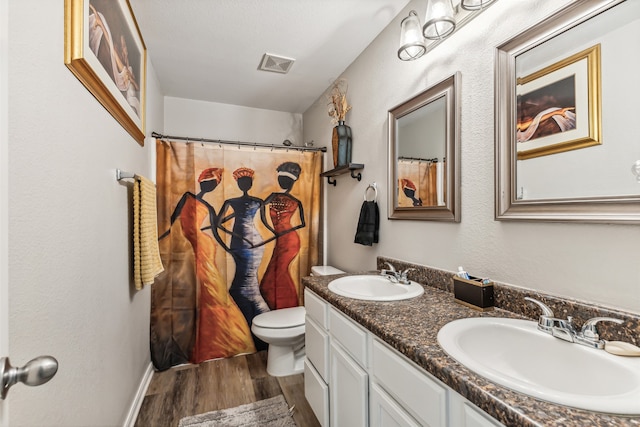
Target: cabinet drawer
(317,347)
(420,395)
(317,393)
(351,336)
(316,308)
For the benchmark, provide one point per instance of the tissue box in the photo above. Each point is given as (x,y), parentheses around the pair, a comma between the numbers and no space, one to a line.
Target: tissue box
(473,293)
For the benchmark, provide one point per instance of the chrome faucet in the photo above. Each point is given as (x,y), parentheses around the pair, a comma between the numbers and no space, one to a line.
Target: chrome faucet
(396,276)
(565,330)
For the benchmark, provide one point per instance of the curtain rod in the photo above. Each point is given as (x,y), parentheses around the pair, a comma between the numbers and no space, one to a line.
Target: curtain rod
(247,144)
(434,160)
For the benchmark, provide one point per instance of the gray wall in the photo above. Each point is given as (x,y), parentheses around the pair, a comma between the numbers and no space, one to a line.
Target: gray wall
(597,263)
(70,286)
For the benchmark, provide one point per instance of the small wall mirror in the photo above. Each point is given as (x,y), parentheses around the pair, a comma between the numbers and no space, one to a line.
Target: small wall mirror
(424,155)
(565,145)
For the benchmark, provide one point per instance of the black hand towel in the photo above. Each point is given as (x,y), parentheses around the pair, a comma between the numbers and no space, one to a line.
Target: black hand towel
(368,224)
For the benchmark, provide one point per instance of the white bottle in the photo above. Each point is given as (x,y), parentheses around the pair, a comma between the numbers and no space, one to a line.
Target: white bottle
(462,273)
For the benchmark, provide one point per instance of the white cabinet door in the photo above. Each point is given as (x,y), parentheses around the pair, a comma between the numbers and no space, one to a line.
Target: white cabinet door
(386,412)
(349,394)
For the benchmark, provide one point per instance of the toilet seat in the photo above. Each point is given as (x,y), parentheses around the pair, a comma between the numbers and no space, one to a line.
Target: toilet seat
(281,319)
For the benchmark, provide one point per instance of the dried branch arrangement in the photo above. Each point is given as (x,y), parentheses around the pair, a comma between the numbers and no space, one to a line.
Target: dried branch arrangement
(338,106)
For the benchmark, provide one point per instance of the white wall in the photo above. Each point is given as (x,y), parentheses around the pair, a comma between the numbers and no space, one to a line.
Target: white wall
(597,263)
(211,120)
(70,287)
(4,202)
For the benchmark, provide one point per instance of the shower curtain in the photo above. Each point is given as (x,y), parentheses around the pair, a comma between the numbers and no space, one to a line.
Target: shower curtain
(421,183)
(238,228)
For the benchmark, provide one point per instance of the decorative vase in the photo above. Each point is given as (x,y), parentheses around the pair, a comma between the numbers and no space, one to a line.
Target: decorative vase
(341,144)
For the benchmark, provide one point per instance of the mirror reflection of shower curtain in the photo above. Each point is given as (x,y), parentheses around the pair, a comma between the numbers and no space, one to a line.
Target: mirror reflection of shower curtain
(421,183)
(238,229)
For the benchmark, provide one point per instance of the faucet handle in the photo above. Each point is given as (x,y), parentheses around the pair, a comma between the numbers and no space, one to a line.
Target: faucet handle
(404,273)
(589,329)
(546,311)
(391,267)
(546,321)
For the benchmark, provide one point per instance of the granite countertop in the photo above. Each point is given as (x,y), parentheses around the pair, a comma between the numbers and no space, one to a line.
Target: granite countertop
(411,327)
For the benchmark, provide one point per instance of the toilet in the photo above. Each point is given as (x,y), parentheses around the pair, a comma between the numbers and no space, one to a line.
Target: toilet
(283,330)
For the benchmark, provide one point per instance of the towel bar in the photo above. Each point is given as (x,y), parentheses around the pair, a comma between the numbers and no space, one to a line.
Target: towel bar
(124,175)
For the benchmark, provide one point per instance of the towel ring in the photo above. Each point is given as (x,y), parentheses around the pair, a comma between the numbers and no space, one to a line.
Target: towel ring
(374,187)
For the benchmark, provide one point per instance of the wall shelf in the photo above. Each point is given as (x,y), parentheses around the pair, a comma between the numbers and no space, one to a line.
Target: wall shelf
(341,170)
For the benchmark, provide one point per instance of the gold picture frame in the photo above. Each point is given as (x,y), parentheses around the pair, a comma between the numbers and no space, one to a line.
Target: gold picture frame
(558,107)
(104,49)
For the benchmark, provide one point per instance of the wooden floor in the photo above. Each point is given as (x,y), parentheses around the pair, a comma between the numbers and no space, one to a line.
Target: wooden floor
(219,384)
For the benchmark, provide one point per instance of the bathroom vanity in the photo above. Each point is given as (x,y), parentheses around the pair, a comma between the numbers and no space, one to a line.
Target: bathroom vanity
(379,364)
(353,378)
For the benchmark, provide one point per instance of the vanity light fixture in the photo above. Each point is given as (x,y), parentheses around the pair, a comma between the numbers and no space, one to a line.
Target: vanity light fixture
(442,18)
(636,170)
(439,22)
(475,4)
(412,44)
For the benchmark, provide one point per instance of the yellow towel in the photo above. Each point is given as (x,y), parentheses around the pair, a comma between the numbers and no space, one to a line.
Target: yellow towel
(146,252)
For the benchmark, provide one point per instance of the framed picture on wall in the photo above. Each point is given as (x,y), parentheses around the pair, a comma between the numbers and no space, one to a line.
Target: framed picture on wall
(558,107)
(104,49)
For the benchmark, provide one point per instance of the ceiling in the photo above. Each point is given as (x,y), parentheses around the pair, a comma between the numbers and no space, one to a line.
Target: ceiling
(210,50)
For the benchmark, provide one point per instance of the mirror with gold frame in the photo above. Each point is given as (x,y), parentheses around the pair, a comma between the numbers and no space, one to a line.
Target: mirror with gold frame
(424,175)
(569,157)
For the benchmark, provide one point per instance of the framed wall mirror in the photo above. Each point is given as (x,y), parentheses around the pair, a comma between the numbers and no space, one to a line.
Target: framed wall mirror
(424,175)
(565,106)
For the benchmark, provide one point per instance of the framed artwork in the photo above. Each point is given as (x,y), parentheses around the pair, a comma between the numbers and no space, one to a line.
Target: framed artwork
(558,107)
(104,49)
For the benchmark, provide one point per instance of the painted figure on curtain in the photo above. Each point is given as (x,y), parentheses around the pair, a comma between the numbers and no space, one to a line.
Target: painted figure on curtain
(221,329)
(245,248)
(277,286)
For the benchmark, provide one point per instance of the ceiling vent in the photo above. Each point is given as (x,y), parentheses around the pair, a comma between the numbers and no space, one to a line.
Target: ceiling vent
(277,64)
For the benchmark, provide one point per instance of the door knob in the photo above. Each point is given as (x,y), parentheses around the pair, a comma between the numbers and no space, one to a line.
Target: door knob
(36,372)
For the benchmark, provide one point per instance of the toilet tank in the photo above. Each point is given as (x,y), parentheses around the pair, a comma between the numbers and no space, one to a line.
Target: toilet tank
(324,270)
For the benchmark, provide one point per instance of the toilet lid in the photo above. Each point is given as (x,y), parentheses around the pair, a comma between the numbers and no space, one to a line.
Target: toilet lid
(282,318)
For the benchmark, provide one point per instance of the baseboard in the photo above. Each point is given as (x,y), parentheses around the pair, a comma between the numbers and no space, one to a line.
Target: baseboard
(139,397)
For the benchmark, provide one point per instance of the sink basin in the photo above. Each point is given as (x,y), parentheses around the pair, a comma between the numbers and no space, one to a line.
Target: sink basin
(515,354)
(374,288)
